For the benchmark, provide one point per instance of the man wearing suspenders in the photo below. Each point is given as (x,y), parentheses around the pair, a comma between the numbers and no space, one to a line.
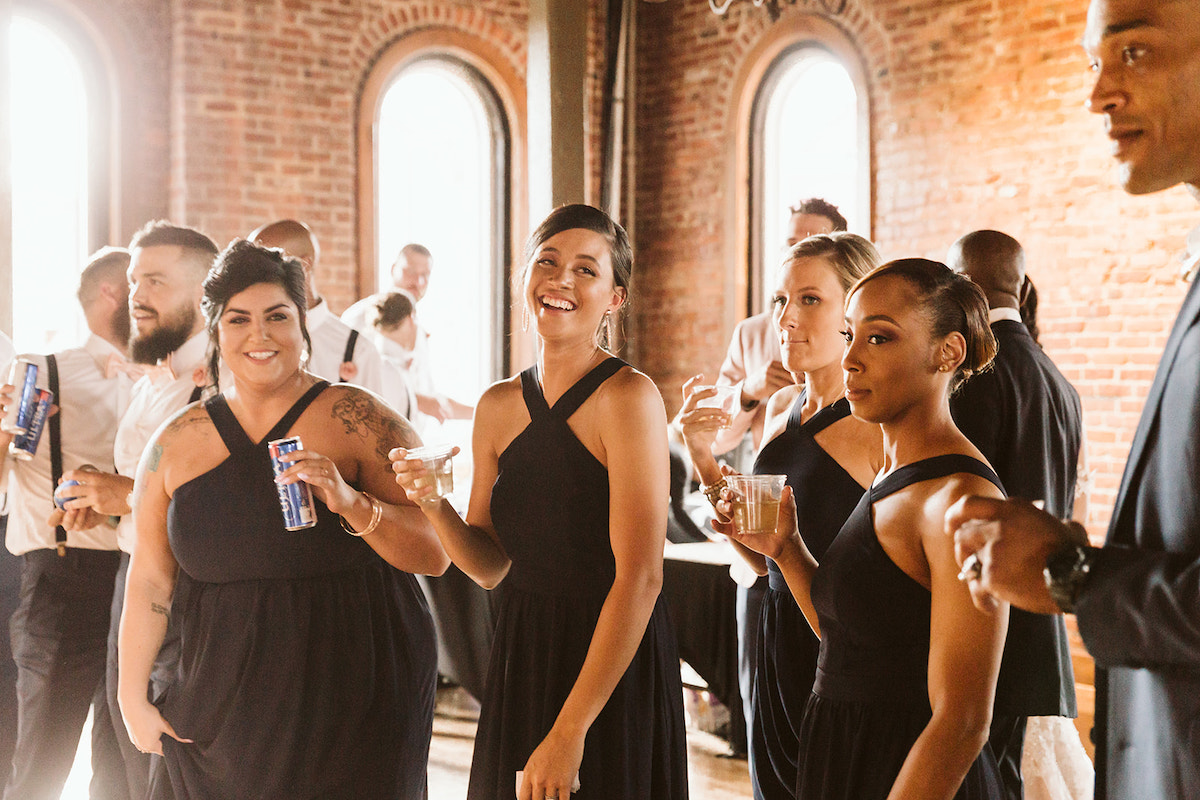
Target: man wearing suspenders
(60,627)
(165,276)
(339,354)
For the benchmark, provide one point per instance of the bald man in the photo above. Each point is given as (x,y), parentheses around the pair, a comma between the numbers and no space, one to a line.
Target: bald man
(339,354)
(1025,417)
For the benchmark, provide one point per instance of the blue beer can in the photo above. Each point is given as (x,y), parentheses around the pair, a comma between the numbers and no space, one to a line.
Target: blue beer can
(23,376)
(295,499)
(25,445)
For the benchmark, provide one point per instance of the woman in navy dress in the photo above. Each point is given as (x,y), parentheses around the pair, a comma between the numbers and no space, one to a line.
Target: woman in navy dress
(828,457)
(308,662)
(907,669)
(568,509)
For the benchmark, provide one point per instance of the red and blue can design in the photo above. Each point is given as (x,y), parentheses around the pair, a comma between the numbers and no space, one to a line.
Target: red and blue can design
(25,445)
(23,377)
(295,499)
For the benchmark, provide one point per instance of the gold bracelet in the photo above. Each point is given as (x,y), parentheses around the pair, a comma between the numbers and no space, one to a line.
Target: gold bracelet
(376,515)
(713,492)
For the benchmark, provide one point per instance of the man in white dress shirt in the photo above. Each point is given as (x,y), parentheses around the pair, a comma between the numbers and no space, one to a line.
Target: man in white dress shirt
(165,276)
(339,354)
(410,272)
(60,628)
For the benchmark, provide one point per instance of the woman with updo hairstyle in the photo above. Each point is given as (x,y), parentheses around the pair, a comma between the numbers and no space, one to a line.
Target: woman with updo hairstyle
(906,673)
(308,662)
(568,516)
(392,317)
(828,456)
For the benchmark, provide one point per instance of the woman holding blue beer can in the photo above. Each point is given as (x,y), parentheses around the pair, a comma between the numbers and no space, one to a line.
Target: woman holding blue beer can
(308,660)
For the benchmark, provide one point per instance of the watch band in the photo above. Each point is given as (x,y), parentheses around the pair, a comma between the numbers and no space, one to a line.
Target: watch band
(1066,572)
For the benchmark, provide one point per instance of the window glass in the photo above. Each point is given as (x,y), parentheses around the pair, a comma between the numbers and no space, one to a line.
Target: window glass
(810,148)
(436,187)
(49,118)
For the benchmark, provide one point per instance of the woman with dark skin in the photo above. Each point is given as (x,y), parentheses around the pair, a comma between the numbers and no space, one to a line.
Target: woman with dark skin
(907,669)
(308,661)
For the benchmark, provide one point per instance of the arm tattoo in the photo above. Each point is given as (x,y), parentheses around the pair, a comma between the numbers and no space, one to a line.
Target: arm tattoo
(158,608)
(361,416)
(154,457)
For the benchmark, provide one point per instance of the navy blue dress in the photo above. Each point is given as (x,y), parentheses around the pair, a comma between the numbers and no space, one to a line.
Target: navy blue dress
(308,664)
(870,701)
(550,508)
(825,495)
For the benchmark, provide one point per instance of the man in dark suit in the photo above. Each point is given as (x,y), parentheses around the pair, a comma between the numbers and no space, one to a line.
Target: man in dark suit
(1025,418)
(1137,599)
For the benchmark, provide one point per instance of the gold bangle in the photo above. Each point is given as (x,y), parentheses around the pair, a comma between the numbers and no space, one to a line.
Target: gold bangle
(713,492)
(376,515)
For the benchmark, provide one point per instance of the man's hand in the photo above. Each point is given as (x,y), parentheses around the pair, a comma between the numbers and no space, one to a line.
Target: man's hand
(103,492)
(1003,546)
(762,383)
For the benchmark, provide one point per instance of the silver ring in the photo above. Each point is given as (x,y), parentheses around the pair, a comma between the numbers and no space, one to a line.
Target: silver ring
(972,568)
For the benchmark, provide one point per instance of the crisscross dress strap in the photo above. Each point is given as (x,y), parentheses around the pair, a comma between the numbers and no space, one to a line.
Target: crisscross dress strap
(835,411)
(574,397)
(930,469)
(234,435)
(532,392)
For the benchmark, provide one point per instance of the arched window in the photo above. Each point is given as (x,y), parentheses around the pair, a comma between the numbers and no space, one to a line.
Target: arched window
(57,110)
(442,166)
(809,129)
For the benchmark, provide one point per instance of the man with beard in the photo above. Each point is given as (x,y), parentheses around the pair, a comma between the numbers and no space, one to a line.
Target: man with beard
(338,354)
(168,266)
(60,628)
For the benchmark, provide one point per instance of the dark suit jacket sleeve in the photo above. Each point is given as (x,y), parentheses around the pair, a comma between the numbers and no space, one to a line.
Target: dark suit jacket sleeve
(1142,609)
(978,412)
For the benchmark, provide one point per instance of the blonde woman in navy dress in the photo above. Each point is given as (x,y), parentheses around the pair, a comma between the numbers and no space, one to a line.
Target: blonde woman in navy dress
(829,458)
(906,675)
(568,517)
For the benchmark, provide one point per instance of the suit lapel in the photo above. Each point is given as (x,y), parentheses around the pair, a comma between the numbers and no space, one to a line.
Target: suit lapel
(1188,313)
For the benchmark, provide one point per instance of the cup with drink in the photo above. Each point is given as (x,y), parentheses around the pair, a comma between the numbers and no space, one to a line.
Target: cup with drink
(724,398)
(440,466)
(755,502)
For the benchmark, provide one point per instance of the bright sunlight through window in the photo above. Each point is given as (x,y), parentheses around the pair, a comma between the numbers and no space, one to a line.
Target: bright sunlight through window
(49,168)
(810,148)
(435,188)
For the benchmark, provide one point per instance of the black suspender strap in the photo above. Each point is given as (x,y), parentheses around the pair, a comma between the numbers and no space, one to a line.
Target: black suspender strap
(56,465)
(195,395)
(348,356)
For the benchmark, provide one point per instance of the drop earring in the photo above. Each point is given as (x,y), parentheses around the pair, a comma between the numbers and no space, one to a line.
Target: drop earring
(525,318)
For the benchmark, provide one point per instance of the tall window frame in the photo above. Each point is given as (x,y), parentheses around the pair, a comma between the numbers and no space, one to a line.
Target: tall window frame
(502,90)
(758,73)
(100,77)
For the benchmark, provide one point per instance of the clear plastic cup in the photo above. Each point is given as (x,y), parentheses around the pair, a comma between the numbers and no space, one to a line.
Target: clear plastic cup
(756,501)
(440,465)
(726,398)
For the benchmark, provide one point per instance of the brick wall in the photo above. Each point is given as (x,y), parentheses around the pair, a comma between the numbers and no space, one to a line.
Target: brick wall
(264,109)
(977,121)
(239,111)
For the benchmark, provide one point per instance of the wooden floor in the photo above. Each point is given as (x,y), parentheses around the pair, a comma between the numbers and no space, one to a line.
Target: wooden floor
(711,775)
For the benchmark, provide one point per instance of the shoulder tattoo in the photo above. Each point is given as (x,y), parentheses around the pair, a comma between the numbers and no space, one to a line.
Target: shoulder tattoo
(362,416)
(154,456)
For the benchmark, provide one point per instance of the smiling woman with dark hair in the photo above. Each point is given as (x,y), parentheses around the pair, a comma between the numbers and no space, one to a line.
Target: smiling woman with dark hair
(568,508)
(308,661)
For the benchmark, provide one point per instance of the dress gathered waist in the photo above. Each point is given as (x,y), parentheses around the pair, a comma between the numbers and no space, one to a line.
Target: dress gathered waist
(877,686)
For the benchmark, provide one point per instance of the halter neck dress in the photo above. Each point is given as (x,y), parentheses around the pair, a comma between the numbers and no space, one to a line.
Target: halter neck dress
(825,495)
(308,664)
(870,701)
(549,507)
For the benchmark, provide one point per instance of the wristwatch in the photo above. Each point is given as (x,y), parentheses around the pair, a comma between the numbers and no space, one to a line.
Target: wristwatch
(1066,572)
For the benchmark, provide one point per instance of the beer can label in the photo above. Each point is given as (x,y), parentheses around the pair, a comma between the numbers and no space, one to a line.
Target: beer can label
(23,377)
(25,445)
(295,499)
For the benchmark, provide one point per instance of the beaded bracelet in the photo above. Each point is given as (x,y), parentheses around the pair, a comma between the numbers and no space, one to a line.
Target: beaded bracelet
(713,491)
(376,515)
